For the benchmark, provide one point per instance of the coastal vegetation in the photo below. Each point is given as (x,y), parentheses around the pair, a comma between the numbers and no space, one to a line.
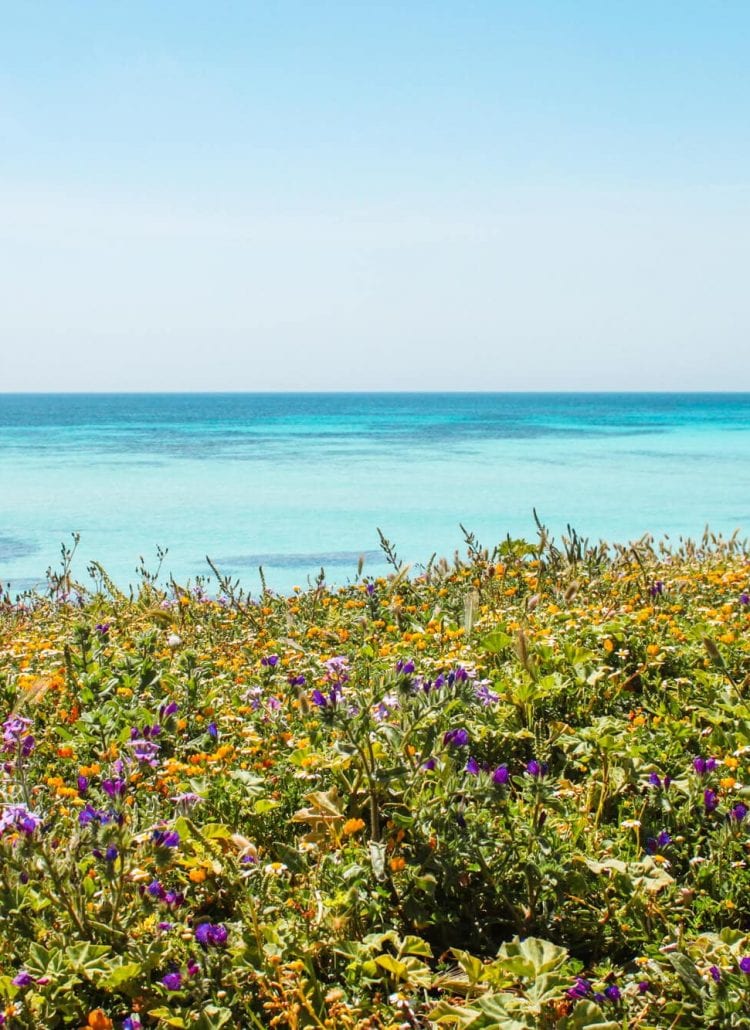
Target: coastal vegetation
(506,791)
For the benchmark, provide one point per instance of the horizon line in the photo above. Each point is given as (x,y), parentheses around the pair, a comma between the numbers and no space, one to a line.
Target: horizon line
(350,393)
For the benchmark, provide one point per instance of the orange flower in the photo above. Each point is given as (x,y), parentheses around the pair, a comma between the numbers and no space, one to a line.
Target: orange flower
(352,826)
(397,864)
(99,1020)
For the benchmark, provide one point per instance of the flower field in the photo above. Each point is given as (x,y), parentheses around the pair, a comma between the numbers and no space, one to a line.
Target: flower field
(508,791)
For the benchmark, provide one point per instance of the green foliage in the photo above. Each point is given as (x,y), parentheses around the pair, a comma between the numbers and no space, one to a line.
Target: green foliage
(468,798)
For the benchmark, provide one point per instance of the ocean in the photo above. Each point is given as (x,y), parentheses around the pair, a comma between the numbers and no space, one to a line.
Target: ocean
(296,482)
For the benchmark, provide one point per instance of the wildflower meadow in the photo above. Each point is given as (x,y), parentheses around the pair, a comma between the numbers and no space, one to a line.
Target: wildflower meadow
(507,791)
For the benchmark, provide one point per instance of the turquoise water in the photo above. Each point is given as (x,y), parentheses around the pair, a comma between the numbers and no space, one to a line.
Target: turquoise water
(297,481)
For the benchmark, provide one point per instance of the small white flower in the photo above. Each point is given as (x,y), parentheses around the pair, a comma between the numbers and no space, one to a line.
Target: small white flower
(173,640)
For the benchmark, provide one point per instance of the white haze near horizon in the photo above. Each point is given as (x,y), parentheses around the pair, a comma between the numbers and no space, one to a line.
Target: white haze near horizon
(536,289)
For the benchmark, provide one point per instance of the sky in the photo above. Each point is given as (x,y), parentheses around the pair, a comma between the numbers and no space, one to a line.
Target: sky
(360,195)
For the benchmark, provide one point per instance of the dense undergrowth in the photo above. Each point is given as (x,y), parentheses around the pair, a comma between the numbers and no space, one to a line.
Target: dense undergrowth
(506,792)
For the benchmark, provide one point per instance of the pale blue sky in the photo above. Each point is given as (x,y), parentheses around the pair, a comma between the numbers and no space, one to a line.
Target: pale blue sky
(362,195)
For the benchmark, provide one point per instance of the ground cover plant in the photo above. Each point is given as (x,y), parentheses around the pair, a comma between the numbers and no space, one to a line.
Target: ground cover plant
(502,792)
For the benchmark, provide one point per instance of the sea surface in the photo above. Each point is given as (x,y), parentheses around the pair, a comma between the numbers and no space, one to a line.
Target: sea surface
(296,482)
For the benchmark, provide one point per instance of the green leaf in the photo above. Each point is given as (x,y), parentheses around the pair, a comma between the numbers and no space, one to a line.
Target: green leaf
(412,945)
(398,970)
(212,1018)
(588,1016)
(377,859)
(447,1014)
(121,975)
(471,965)
(165,1015)
(263,805)
(495,641)
(531,957)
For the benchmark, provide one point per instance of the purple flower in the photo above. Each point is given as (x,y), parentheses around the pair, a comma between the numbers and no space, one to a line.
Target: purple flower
(710,800)
(270,661)
(656,588)
(187,800)
(111,853)
(319,699)
(337,672)
(166,838)
(155,889)
(22,979)
(501,775)
(715,973)
(405,666)
(370,589)
(535,769)
(456,738)
(89,814)
(83,784)
(744,597)
(146,751)
(745,964)
(472,766)
(580,989)
(211,935)
(169,709)
(429,764)
(102,628)
(213,730)
(132,1023)
(172,981)
(114,788)
(644,987)
(654,779)
(612,992)
(483,693)
(704,765)
(192,967)
(297,681)
(20,818)
(738,813)
(14,728)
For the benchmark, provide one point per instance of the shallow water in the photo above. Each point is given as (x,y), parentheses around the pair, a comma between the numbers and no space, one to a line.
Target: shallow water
(296,481)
